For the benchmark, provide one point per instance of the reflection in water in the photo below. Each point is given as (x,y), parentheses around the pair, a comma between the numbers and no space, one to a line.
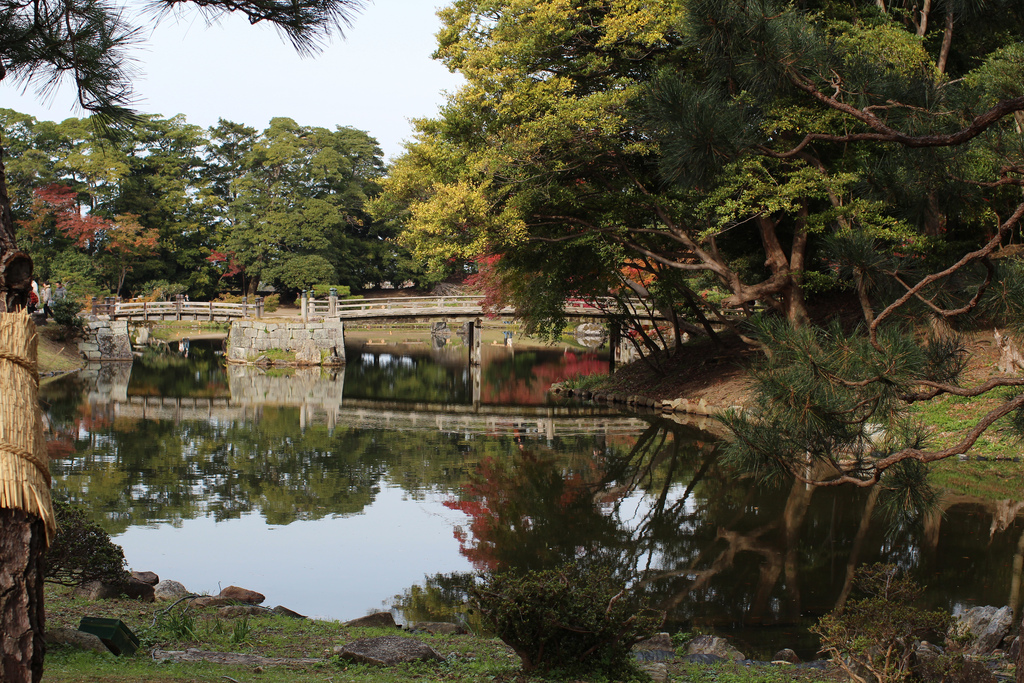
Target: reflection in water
(294,481)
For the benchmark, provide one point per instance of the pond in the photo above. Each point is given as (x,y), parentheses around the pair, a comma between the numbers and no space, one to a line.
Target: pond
(388,483)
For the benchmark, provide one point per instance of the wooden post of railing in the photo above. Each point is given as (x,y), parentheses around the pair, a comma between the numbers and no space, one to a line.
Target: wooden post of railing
(145,310)
(332,302)
(303,302)
(95,305)
(259,307)
(245,306)
(211,311)
(178,301)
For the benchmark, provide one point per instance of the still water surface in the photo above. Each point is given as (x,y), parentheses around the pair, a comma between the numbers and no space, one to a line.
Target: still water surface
(387,483)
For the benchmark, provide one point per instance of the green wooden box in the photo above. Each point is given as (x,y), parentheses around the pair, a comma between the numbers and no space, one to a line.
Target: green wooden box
(118,638)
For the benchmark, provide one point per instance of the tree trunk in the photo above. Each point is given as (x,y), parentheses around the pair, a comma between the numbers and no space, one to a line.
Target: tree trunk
(22,546)
(782,268)
(15,267)
(947,42)
(922,26)
(23,536)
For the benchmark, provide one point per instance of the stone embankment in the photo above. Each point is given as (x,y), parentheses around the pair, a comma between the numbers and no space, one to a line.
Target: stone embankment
(678,405)
(287,343)
(106,340)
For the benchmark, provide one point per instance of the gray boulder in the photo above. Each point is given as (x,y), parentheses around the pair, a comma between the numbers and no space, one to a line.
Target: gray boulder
(73,638)
(986,626)
(387,651)
(169,591)
(715,646)
(97,590)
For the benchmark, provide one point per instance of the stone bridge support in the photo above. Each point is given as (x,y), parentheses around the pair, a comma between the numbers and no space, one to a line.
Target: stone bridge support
(312,343)
(476,343)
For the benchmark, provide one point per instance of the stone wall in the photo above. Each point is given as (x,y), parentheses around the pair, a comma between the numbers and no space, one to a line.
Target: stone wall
(301,387)
(313,343)
(106,340)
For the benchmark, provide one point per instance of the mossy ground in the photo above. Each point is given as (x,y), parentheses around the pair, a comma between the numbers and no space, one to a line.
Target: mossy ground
(467,658)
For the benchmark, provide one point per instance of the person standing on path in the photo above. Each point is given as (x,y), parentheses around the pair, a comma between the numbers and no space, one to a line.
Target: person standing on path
(45,298)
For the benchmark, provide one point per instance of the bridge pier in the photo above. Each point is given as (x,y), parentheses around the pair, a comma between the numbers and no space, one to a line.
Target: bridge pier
(476,342)
(620,348)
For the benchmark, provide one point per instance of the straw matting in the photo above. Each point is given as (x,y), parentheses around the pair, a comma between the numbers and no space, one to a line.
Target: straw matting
(24,464)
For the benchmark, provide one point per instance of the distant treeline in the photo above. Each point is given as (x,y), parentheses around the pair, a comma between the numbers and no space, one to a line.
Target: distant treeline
(168,207)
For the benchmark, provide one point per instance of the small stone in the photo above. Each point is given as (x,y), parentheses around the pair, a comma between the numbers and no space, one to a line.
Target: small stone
(139,590)
(242,595)
(375,620)
(74,638)
(713,645)
(659,641)
(169,591)
(658,671)
(785,655)
(146,577)
(97,590)
(387,651)
(284,611)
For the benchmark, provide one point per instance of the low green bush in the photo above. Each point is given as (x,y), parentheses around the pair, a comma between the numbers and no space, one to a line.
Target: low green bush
(874,637)
(323,291)
(65,314)
(82,551)
(573,618)
(161,290)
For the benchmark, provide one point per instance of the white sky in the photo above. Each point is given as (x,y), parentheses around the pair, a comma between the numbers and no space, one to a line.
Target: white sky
(376,79)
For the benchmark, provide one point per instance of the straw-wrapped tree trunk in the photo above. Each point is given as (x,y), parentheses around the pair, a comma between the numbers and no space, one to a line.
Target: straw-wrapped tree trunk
(26,514)
(42,42)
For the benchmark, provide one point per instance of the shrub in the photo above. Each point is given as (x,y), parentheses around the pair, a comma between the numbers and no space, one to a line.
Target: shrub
(323,291)
(579,618)
(161,290)
(271,302)
(65,314)
(873,638)
(81,551)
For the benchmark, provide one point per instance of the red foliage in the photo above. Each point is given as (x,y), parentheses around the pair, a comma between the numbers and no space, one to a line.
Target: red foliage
(233,267)
(534,390)
(509,500)
(488,279)
(60,202)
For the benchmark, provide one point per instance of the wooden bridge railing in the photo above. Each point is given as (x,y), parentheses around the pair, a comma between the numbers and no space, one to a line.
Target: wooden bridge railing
(179,309)
(413,306)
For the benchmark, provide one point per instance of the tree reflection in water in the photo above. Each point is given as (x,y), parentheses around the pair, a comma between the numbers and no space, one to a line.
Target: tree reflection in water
(715,550)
